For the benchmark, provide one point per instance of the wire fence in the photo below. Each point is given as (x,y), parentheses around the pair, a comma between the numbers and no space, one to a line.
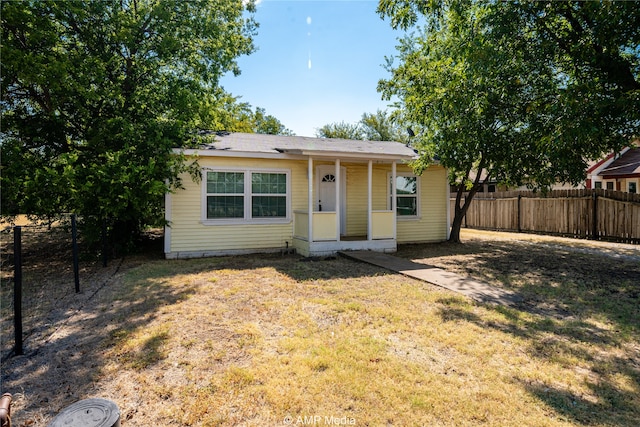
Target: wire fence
(53,270)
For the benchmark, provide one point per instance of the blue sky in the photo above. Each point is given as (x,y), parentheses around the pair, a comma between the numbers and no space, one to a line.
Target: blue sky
(317,62)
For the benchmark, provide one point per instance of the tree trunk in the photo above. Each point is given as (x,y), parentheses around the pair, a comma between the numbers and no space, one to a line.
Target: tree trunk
(454,237)
(460,212)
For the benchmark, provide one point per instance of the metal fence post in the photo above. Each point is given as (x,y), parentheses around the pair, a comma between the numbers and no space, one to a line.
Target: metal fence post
(17,289)
(74,237)
(104,242)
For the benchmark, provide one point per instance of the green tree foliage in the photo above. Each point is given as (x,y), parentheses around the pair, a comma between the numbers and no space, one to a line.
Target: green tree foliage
(378,126)
(96,94)
(241,117)
(382,126)
(342,130)
(268,124)
(528,91)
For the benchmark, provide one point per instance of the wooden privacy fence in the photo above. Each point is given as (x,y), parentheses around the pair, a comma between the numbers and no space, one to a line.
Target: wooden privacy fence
(593,214)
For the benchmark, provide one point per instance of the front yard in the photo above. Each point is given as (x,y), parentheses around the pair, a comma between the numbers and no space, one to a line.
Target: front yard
(277,340)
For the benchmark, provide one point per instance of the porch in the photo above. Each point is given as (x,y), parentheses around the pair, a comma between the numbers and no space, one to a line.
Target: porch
(337,217)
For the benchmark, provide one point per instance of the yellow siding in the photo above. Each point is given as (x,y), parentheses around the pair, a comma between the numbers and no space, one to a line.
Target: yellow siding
(356,200)
(301,224)
(189,234)
(324,226)
(432,225)
(357,195)
(380,187)
(382,225)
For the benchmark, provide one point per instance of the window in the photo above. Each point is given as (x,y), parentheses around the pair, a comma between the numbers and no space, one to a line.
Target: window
(406,195)
(598,184)
(610,185)
(268,195)
(633,187)
(247,196)
(225,195)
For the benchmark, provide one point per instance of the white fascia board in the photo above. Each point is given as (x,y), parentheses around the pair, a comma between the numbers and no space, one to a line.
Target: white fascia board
(295,155)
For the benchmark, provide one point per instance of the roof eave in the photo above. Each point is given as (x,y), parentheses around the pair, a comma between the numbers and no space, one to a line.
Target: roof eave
(295,154)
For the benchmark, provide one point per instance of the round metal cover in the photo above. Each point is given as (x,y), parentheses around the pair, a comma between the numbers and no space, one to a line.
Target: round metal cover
(88,413)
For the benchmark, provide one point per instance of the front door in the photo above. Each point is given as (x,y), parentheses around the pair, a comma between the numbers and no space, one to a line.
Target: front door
(326,191)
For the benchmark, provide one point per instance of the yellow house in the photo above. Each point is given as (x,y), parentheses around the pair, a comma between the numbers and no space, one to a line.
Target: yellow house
(266,193)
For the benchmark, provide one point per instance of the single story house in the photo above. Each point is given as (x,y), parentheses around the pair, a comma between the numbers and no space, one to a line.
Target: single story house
(619,171)
(266,193)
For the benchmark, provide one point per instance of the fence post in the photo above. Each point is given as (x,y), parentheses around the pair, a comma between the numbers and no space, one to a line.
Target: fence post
(465,214)
(104,242)
(594,225)
(519,214)
(74,237)
(17,289)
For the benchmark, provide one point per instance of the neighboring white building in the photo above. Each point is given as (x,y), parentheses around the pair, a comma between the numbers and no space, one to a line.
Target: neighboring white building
(619,171)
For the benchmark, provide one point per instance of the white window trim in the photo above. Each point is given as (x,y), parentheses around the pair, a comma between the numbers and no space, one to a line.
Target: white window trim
(247,220)
(418,215)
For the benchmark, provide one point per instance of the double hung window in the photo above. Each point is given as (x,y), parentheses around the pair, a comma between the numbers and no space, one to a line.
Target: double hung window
(225,195)
(246,196)
(407,196)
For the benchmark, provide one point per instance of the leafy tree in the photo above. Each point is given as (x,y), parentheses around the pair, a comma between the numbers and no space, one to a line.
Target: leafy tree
(244,119)
(342,130)
(381,126)
(96,94)
(378,126)
(233,116)
(268,124)
(528,91)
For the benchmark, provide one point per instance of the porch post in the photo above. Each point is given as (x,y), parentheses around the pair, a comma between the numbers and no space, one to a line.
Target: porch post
(338,199)
(369,201)
(310,201)
(394,199)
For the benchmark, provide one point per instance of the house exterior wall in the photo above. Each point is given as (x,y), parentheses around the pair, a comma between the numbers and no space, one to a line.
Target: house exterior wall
(190,236)
(432,225)
(627,185)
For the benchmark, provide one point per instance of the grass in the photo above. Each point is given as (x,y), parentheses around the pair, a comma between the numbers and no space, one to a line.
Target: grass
(383,349)
(260,340)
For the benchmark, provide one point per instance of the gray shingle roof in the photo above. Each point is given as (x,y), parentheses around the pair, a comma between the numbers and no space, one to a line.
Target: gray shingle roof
(260,143)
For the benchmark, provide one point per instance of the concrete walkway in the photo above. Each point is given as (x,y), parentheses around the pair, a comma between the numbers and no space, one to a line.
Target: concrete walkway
(474,289)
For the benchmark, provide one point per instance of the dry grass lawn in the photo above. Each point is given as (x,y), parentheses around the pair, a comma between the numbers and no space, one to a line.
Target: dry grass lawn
(271,340)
